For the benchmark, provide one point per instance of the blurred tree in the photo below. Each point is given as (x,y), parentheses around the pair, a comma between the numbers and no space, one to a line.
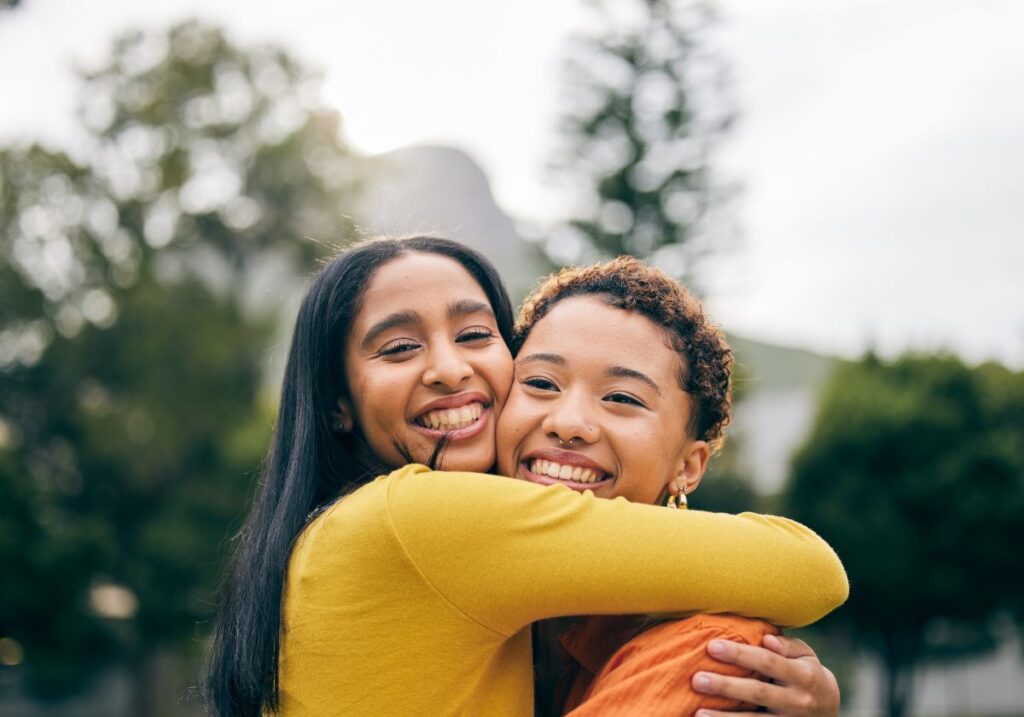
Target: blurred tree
(725,488)
(1003,393)
(644,107)
(140,282)
(915,475)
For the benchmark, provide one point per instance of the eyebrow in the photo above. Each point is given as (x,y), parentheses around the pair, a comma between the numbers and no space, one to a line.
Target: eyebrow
(455,310)
(546,358)
(464,307)
(623,372)
(399,318)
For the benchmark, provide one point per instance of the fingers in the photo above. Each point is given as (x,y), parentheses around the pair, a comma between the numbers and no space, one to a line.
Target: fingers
(805,687)
(762,661)
(781,700)
(716,713)
(788,646)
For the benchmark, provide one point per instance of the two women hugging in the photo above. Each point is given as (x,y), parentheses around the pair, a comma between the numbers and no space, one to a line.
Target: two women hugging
(460,513)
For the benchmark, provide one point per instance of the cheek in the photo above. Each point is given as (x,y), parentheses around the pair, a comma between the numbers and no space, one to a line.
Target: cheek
(513,423)
(497,370)
(645,482)
(507,419)
(380,397)
(643,451)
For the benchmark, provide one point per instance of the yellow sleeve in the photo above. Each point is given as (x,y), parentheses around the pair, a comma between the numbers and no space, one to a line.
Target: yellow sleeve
(508,553)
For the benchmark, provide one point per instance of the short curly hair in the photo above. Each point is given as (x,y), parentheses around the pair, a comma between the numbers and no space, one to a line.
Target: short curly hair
(629,284)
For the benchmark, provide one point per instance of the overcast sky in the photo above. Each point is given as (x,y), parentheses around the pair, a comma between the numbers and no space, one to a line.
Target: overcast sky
(881,147)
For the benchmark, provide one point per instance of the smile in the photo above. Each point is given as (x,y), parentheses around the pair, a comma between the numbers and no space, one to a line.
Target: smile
(451,419)
(555,466)
(455,418)
(563,471)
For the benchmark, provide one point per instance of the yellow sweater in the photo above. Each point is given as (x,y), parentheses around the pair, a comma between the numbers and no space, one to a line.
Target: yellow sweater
(414,594)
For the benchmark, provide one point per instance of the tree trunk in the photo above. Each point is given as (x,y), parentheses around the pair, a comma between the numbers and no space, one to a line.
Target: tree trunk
(145,685)
(899,656)
(897,692)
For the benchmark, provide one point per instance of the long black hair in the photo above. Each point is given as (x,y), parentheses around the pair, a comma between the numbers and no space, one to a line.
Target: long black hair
(307,466)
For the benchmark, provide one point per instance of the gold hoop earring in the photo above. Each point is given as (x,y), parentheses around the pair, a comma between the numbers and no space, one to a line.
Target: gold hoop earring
(677,501)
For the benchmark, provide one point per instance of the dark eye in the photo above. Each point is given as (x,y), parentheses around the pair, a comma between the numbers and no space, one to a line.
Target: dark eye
(623,398)
(542,384)
(398,347)
(477,334)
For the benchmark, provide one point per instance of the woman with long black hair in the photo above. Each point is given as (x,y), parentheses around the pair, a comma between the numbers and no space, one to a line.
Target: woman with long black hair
(413,593)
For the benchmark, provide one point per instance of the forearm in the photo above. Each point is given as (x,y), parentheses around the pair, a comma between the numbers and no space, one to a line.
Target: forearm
(547,552)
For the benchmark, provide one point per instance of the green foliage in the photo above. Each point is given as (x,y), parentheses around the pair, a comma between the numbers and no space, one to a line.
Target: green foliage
(643,112)
(197,140)
(123,473)
(914,472)
(140,283)
(725,489)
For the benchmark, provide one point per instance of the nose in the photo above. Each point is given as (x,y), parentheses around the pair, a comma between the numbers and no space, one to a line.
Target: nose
(567,421)
(446,367)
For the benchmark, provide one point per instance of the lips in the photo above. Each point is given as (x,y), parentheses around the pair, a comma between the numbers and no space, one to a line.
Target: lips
(563,471)
(449,419)
(457,417)
(556,466)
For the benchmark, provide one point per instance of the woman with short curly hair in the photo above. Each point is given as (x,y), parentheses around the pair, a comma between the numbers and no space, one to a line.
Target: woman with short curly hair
(623,388)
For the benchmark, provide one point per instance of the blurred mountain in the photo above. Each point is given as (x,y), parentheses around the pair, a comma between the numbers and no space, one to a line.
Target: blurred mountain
(763,366)
(779,392)
(443,191)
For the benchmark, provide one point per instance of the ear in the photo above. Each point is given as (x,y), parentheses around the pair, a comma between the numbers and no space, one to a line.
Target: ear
(692,464)
(342,420)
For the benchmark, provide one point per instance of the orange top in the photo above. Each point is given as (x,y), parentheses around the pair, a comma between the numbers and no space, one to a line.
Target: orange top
(650,674)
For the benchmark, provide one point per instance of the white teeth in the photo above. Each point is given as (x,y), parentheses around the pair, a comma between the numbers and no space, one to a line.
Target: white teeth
(562,472)
(452,418)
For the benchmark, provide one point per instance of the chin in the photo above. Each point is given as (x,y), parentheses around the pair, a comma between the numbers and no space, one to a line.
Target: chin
(476,468)
(467,462)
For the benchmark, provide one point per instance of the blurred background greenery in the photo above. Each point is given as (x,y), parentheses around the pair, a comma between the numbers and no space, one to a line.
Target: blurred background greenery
(148,278)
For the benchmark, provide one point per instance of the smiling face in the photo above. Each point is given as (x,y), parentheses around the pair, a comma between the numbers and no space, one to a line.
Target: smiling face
(596,404)
(423,359)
